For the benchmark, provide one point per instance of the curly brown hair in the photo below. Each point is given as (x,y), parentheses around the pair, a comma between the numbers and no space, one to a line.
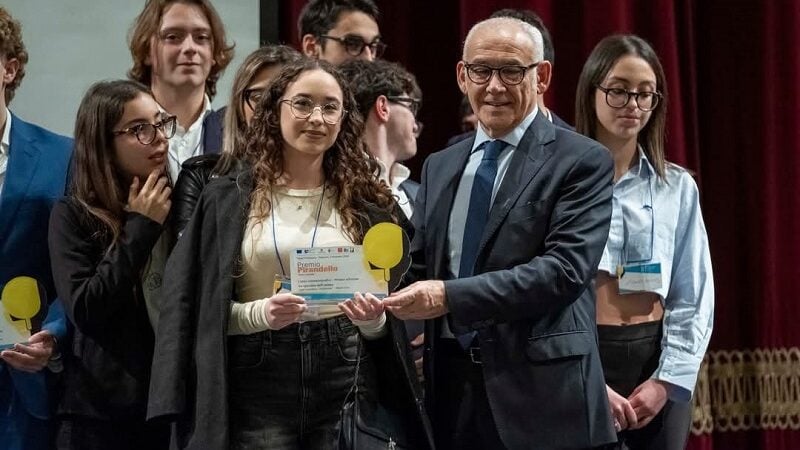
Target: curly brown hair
(147,25)
(349,169)
(12,47)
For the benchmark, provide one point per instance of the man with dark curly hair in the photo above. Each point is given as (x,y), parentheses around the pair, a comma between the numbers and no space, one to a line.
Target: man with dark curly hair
(179,50)
(388,98)
(338,31)
(33,167)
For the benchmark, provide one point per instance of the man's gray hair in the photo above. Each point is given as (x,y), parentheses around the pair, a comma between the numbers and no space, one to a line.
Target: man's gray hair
(504,22)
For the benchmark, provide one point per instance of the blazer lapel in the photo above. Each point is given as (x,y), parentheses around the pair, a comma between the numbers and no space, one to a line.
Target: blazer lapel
(450,174)
(23,159)
(529,156)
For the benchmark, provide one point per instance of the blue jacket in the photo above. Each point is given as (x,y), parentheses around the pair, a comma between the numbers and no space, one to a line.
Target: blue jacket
(35,179)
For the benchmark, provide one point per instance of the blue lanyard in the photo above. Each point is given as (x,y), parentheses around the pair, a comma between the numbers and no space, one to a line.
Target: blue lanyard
(275,237)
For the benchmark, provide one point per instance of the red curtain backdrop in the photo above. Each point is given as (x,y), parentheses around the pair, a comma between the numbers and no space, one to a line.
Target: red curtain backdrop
(732,70)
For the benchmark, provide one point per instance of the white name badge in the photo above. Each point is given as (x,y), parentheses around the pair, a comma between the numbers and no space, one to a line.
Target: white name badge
(639,278)
(329,275)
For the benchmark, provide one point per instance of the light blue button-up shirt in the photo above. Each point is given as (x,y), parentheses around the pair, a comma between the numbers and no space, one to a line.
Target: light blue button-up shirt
(659,221)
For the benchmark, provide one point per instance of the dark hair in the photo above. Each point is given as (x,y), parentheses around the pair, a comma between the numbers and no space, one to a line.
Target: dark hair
(12,47)
(96,183)
(235,124)
(320,16)
(371,79)
(146,27)
(349,169)
(600,62)
(530,17)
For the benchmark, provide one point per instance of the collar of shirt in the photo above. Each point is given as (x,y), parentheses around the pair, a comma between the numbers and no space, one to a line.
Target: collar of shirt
(643,169)
(398,175)
(197,123)
(5,145)
(512,138)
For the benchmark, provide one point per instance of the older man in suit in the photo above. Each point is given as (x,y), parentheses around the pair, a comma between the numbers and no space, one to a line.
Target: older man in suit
(510,227)
(33,166)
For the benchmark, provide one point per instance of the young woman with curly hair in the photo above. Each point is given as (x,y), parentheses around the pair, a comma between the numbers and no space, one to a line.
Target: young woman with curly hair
(305,180)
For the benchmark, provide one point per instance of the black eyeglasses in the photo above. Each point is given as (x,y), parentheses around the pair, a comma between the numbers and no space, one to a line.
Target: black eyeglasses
(303,108)
(355,45)
(411,103)
(510,75)
(619,98)
(253,96)
(146,132)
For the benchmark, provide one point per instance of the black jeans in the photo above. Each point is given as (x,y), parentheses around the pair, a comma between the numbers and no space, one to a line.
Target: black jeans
(287,387)
(86,433)
(630,355)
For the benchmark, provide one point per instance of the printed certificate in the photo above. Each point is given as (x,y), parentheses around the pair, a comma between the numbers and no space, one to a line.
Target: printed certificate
(333,274)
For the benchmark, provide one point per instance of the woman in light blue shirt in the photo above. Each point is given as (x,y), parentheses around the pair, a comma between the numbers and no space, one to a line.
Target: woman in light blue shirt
(655,293)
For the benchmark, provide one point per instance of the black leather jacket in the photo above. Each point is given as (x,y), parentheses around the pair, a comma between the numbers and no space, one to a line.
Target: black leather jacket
(195,174)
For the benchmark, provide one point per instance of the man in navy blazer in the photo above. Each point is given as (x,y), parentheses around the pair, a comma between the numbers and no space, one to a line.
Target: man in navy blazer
(33,166)
(510,227)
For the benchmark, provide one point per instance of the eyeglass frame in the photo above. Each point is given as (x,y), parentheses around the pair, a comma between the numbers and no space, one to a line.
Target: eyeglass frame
(316,105)
(414,106)
(377,46)
(525,69)
(136,129)
(246,96)
(628,94)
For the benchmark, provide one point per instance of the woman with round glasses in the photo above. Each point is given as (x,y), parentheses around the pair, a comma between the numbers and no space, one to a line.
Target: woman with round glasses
(253,76)
(266,369)
(108,255)
(655,293)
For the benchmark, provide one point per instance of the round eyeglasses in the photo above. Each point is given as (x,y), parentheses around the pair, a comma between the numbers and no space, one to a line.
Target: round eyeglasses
(510,75)
(618,98)
(355,45)
(303,108)
(146,132)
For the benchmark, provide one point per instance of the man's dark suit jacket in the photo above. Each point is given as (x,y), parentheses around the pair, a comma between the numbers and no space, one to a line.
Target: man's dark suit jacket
(531,300)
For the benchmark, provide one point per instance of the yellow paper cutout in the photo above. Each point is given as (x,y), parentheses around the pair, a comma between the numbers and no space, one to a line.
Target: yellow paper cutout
(383,246)
(21,299)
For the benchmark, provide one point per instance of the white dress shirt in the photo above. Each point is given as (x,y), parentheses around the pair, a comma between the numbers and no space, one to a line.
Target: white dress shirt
(187,142)
(5,147)
(400,173)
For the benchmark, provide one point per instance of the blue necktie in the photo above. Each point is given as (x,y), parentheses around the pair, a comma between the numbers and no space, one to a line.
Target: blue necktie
(480,199)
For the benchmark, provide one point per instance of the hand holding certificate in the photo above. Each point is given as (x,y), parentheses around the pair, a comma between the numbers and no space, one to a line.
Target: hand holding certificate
(329,275)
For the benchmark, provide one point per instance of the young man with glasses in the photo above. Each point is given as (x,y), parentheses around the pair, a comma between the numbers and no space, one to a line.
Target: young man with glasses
(179,50)
(389,99)
(338,31)
(33,168)
(509,228)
